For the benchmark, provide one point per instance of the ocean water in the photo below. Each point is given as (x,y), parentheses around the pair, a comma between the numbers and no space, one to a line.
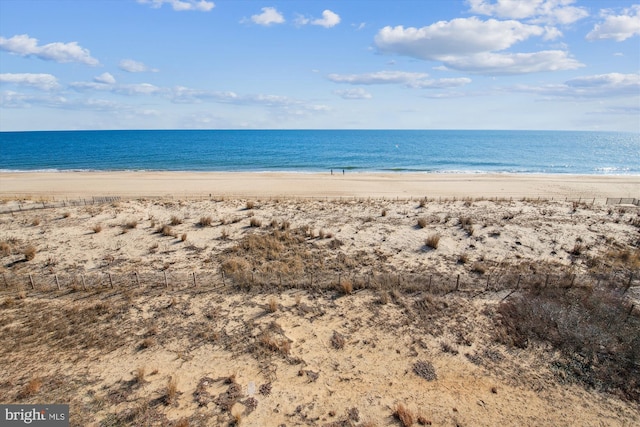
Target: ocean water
(435,151)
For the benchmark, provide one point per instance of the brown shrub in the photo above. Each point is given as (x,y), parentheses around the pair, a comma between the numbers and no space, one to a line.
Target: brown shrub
(272,305)
(337,340)
(466,223)
(166,230)
(205,221)
(404,415)
(32,387)
(175,220)
(130,224)
(255,222)
(422,222)
(30,253)
(5,249)
(138,375)
(96,228)
(595,330)
(432,241)
(346,287)
(275,344)
(479,268)
(171,391)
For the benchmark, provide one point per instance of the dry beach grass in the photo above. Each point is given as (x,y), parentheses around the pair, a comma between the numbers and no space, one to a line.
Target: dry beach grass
(358,311)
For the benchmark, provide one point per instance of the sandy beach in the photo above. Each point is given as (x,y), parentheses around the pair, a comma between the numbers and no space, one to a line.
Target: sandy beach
(311,299)
(267,184)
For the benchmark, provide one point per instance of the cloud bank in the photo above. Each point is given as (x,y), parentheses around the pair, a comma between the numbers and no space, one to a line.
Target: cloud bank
(475,46)
(40,81)
(617,27)
(23,45)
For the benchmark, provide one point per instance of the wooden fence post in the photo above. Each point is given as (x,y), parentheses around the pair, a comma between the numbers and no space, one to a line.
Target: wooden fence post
(628,284)
(629,313)
(110,281)
(84,286)
(57,281)
(166,283)
(195,285)
(223,284)
(137,279)
(457,282)
(31,280)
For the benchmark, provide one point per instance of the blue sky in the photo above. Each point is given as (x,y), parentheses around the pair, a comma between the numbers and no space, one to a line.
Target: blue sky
(314,64)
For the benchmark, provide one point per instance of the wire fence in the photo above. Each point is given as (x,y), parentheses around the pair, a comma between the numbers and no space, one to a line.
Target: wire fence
(30,205)
(623,201)
(21,206)
(218,280)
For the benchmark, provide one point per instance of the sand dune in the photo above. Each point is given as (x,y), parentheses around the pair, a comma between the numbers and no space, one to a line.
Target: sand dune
(332,311)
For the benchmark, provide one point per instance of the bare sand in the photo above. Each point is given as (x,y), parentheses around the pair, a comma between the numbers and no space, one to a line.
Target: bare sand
(333,309)
(187,184)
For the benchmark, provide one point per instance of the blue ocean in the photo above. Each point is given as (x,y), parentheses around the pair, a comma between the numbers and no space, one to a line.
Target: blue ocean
(436,151)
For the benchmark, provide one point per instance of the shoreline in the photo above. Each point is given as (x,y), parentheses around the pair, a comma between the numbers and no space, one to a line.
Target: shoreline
(297,184)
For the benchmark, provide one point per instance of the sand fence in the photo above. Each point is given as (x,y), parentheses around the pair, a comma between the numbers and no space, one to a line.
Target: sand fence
(218,281)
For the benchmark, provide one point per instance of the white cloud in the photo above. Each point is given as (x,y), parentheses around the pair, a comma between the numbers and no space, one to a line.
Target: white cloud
(443,83)
(606,84)
(131,66)
(185,95)
(39,81)
(105,78)
(551,33)
(456,37)
(412,80)
(329,19)
(534,11)
(20,100)
(300,20)
(122,89)
(595,86)
(469,44)
(513,63)
(24,45)
(357,93)
(182,5)
(617,27)
(139,89)
(268,17)
(380,77)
